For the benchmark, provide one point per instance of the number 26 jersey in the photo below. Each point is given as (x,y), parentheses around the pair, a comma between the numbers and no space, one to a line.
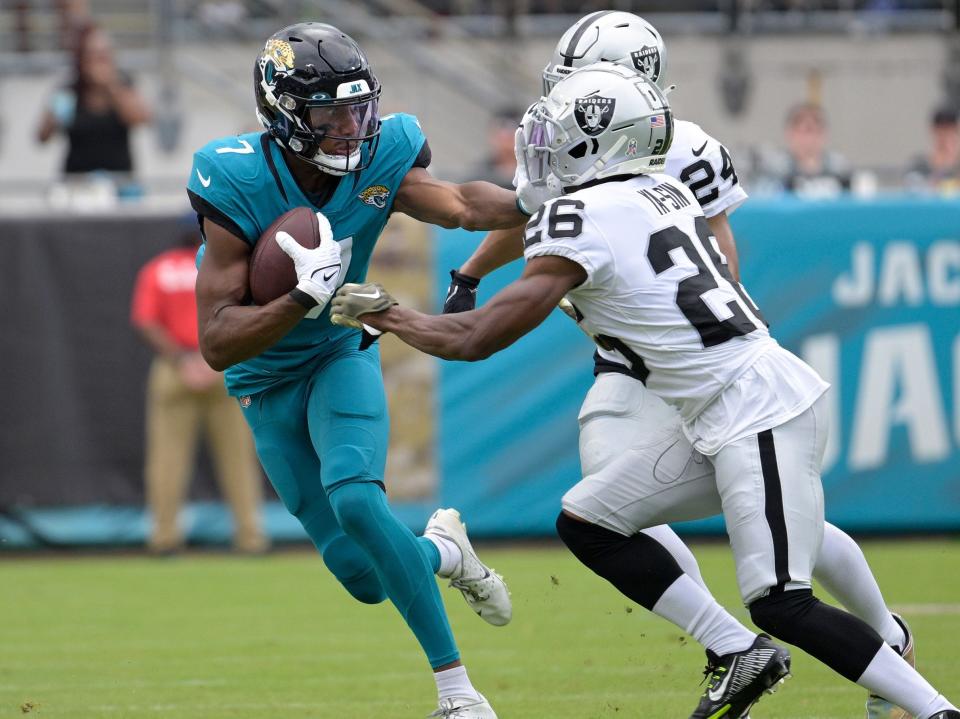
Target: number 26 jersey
(658,293)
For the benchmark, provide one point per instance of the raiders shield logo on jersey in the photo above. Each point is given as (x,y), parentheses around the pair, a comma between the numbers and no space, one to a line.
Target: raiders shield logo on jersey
(593,114)
(647,61)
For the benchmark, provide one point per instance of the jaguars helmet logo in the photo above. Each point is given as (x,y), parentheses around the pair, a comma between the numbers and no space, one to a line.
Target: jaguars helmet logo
(280,52)
(375,196)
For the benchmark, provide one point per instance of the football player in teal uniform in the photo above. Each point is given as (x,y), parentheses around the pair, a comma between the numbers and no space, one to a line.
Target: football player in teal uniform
(313,398)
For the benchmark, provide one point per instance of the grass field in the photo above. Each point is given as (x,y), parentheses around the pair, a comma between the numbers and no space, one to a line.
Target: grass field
(220,637)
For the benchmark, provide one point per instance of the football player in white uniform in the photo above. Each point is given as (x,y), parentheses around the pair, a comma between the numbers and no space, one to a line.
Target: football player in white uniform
(634,255)
(658,455)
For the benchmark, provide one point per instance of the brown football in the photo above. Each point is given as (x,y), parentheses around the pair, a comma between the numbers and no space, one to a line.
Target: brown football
(271,270)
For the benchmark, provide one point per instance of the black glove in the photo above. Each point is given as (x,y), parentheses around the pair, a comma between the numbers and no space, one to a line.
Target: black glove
(462,293)
(367,339)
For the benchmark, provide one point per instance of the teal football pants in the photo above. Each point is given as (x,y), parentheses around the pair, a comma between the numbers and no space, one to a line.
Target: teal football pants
(323,443)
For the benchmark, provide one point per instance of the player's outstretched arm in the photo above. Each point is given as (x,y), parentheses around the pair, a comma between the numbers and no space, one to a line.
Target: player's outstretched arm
(498,248)
(230,329)
(720,227)
(475,335)
(470,205)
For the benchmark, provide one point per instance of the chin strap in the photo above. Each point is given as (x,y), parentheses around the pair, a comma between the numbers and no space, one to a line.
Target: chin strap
(595,171)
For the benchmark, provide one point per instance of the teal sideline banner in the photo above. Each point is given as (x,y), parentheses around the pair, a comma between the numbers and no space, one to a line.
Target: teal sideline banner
(868,292)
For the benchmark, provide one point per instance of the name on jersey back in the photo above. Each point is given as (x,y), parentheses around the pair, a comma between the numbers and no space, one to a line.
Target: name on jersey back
(664,198)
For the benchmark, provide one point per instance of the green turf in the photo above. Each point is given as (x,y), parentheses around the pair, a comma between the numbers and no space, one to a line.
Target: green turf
(218,637)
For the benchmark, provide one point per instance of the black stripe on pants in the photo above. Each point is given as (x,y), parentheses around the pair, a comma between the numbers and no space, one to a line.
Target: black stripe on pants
(773,508)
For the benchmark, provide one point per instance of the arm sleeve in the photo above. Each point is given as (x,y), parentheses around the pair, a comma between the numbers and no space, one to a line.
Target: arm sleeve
(730,193)
(562,228)
(424,156)
(706,168)
(214,194)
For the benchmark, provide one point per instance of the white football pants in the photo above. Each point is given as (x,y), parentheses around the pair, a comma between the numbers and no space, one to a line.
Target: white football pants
(639,471)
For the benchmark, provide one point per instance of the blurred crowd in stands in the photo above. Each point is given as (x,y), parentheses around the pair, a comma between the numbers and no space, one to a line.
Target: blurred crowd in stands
(804,165)
(97,106)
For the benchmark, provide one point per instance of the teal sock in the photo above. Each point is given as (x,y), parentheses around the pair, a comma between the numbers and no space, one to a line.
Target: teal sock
(405,568)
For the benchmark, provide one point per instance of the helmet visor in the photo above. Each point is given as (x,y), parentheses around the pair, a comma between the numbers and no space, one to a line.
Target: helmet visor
(534,142)
(342,128)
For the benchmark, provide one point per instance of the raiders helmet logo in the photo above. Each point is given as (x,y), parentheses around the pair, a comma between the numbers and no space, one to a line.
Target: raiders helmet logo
(593,114)
(647,61)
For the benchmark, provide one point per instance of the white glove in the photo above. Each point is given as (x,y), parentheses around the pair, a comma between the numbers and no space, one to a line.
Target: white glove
(318,269)
(531,195)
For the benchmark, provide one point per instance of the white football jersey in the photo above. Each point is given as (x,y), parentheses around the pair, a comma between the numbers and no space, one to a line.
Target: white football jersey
(704,165)
(658,294)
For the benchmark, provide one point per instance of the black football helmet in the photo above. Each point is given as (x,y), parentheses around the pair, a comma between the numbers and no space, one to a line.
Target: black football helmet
(313,84)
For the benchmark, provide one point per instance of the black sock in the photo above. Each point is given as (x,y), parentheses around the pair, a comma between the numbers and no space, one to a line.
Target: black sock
(839,640)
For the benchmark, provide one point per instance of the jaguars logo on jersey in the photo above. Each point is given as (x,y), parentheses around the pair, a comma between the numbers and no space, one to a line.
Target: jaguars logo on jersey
(375,196)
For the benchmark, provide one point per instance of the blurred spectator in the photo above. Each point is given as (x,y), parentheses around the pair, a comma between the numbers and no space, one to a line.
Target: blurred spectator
(95,110)
(939,169)
(806,167)
(500,163)
(184,398)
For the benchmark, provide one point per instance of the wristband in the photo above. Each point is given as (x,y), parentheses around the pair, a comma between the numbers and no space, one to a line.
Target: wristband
(465,280)
(302,298)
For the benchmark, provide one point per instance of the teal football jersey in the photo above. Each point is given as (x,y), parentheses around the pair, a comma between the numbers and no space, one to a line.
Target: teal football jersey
(243,184)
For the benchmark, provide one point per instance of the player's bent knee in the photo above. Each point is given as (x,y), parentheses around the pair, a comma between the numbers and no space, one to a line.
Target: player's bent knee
(637,565)
(357,506)
(839,640)
(782,614)
(354,570)
(575,533)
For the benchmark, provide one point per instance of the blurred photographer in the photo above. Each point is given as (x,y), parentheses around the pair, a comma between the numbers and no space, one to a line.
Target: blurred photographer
(95,110)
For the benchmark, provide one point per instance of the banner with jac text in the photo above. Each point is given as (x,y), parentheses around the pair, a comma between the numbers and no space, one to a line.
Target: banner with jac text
(866,291)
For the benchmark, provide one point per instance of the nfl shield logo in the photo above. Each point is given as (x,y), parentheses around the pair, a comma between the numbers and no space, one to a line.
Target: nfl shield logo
(593,114)
(647,61)
(245,401)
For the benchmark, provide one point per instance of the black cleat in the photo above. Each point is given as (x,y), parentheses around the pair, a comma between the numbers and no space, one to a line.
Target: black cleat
(947,714)
(736,681)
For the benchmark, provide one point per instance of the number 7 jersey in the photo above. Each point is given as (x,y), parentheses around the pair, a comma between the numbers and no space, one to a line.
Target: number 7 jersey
(658,293)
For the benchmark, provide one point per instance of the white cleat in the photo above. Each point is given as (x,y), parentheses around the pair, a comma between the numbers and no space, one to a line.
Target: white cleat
(484,589)
(465,708)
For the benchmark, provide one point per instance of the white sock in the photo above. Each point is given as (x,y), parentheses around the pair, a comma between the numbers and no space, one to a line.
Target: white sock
(450,554)
(843,571)
(890,677)
(693,609)
(938,704)
(455,683)
(678,550)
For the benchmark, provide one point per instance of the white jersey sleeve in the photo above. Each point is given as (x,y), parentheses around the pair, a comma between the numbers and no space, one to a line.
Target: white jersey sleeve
(561,228)
(704,165)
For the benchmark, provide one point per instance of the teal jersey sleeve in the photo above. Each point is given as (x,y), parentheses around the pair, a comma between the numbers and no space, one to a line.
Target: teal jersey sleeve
(225,174)
(401,142)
